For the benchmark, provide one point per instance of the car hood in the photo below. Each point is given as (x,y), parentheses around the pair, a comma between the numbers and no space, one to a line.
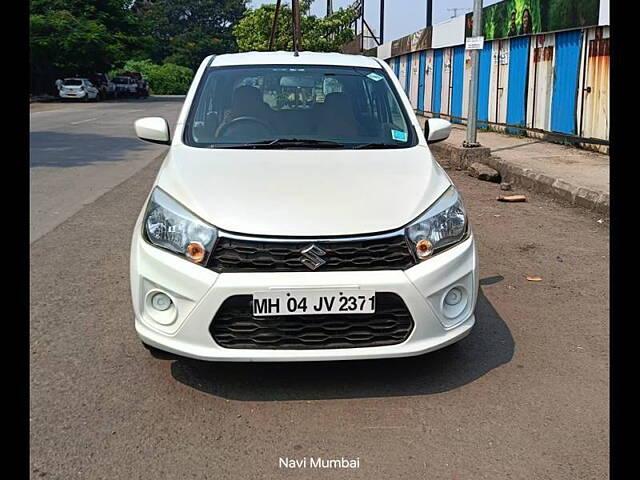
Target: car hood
(303,193)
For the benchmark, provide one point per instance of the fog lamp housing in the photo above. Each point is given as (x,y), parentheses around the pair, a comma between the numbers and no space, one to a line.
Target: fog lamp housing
(160,307)
(454,302)
(161,301)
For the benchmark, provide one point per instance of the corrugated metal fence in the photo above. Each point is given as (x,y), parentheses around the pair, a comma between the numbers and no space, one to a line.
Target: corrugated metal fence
(556,83)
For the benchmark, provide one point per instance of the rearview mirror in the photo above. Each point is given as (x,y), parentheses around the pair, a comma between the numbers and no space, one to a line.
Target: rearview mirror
(153,129)
(436,130)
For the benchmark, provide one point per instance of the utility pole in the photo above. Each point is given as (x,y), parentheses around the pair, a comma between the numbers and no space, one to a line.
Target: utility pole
(274,26)
(382,21)
(329,7)
(363,24)
(297,35)
(429,13)
(471,140)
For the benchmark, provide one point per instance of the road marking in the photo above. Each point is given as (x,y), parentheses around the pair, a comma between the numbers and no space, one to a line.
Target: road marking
(84,121)
(136,110)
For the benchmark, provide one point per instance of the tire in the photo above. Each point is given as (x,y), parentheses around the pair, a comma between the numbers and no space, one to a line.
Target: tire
(160,354)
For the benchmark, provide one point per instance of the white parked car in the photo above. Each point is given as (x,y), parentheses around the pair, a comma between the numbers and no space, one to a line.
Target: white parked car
(299,215)
(78,88)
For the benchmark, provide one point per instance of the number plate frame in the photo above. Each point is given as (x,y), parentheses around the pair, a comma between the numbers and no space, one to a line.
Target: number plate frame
(313,302)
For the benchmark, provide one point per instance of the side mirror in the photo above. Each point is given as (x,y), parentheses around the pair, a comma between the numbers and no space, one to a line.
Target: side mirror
(436,130)
(153,129)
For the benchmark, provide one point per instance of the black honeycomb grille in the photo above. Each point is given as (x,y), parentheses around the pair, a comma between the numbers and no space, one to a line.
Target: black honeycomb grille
(240,255)
(234,326)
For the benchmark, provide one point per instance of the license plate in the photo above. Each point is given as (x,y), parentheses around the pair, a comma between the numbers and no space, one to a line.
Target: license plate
(313,302)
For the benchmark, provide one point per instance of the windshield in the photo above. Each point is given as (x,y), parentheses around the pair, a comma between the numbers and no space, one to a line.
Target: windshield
(121,80)
(269,106)
(72,82)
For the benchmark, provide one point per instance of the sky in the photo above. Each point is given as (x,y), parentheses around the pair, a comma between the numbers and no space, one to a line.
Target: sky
(398,21)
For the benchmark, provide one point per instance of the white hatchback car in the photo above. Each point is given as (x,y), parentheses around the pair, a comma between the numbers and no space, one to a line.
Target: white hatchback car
(78,88)
(299,215)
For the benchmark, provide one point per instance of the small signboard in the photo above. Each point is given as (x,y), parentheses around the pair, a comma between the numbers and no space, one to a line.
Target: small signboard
(475,43)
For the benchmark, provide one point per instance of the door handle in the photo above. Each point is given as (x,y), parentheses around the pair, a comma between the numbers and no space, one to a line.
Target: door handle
(588,89)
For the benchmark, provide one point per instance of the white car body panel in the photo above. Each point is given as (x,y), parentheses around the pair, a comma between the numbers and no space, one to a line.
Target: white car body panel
(199,292)
(316,193)
(288,58)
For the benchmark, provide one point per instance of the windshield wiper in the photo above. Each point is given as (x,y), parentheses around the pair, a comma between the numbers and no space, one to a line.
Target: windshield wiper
(288,142)
(375,145)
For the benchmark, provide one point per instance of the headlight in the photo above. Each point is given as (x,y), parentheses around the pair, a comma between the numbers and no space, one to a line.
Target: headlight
(444,224)
(169,225)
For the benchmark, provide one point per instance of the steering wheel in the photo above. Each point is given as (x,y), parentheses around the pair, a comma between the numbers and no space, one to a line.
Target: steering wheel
(225,126)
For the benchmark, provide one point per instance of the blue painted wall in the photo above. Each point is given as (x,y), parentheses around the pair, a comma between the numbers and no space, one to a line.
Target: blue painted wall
(436,96)
(421,74)
(565,82)
(484,78)
(518,74)
(407,80)
(458,83)
(564,94)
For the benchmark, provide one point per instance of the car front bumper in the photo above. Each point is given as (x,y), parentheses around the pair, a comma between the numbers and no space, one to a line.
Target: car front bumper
(197,294)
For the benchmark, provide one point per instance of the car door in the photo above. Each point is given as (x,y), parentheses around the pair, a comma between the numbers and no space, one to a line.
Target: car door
(91,90)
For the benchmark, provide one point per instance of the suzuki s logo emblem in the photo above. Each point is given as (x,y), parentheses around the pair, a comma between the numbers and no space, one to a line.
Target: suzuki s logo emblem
(311,257)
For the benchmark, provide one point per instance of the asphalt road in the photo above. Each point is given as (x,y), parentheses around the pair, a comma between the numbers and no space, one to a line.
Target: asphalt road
(525,395)
(80,151)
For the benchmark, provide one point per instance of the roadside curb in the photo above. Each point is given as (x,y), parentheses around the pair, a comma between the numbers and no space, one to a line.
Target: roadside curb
(461,158)
(42,99)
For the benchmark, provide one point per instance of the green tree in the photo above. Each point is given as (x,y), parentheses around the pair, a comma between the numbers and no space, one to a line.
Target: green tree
(186,31)
(84,35)
(318,34)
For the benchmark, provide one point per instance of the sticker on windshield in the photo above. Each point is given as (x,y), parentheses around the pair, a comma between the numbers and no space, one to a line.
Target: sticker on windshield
(375,77)
(399,135)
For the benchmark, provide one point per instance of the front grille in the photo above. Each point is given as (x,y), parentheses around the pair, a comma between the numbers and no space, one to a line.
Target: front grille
(250,255)
(234,326)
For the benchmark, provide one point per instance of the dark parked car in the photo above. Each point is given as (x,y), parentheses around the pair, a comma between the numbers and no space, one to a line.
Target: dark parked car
(142,87)
(105,86)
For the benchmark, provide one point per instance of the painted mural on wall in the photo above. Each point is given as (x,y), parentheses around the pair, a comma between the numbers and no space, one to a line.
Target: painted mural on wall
(512,18)
(420,40)
(401,45)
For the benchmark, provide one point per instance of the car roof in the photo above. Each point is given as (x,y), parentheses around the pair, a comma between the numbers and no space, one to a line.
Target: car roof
(288,58)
